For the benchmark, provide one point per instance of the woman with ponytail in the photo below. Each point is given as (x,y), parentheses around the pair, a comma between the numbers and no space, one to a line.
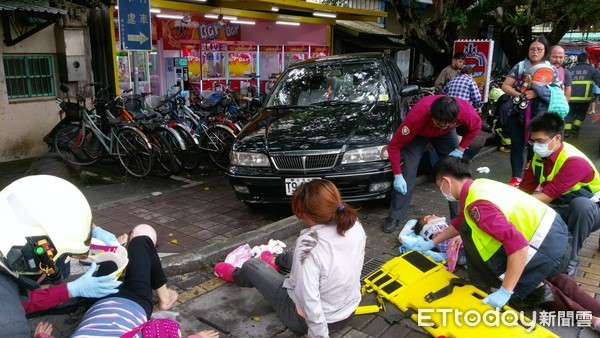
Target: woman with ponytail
(322,291)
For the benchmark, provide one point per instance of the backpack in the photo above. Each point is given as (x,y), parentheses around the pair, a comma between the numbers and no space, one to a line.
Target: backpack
(156,328)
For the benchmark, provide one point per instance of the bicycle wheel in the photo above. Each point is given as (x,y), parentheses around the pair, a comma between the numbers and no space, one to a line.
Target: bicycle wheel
(192,153)
(162,154)
(177,146)
(134,152)
(191,123)
(219,140)
(78,145)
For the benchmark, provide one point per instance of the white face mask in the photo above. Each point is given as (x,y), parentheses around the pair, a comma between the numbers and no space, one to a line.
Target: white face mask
(449,195)
(541,149)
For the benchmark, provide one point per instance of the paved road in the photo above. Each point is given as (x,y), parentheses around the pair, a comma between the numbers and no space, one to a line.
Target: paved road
(208,302)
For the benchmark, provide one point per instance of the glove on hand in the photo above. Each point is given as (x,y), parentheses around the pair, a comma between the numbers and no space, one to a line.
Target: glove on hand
(498,298)
(93,287)
(107,237)
(400,184)
(456,153)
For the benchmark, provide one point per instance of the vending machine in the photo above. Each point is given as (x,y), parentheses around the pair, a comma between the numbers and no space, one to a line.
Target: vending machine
(181,72)
(177,73)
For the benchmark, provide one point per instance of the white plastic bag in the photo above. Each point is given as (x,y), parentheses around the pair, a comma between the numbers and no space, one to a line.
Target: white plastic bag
(238,256)
(274,246)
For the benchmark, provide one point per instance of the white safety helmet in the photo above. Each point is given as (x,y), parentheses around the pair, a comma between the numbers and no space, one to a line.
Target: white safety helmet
(432,227)
(42,216)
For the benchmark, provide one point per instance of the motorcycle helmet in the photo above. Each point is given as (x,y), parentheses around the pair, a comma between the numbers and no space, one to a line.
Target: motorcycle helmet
(495,94)
(539,75)
(42,218)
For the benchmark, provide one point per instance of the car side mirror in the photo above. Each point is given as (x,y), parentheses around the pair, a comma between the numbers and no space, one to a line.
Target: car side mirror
(255,103)
(409,90)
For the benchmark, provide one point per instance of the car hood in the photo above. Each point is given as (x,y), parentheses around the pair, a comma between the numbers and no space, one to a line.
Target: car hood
(317,127)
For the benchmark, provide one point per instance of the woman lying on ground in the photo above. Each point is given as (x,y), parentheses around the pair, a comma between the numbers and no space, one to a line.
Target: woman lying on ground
(128,311)
(322,290)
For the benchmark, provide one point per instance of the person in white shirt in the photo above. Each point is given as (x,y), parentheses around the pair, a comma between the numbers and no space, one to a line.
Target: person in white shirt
(322,290)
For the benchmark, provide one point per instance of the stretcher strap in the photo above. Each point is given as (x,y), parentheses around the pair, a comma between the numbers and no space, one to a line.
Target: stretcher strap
(446,290)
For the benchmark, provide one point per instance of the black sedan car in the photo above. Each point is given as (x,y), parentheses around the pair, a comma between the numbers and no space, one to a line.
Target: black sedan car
(327,118)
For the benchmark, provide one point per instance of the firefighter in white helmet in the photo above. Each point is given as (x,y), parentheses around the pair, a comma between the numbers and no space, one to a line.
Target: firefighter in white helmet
(42,218)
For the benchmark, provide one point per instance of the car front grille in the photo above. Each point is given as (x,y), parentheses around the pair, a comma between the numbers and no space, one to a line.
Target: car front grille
(305,162)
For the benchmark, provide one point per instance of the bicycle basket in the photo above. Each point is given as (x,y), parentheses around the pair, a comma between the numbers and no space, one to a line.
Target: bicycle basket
(134,102)
(72,110)
(153,101)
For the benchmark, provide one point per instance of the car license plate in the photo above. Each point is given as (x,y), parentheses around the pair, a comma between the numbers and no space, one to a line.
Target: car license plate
(292,183)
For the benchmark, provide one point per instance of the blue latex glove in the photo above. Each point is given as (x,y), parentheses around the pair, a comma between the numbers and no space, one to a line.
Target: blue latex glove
(400,184)
(456,153)
(498,298)
(93,287)
(105,236)
(422,245)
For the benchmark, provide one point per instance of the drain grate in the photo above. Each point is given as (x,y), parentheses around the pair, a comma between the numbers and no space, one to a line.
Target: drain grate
(369,266)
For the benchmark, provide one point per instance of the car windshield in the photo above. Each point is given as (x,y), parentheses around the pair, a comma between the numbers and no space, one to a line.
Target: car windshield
(351,83)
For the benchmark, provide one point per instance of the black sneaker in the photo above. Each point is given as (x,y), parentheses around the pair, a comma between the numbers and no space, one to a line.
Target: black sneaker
(390,225)
(538,297)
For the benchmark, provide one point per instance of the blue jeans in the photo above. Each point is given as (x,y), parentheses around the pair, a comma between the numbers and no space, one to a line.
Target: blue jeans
(411,156)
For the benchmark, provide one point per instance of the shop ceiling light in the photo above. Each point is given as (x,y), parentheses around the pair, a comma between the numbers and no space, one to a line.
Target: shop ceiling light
(288,23)
(275,9)
(325,15)
(169,16)
(243,22)
(216,16)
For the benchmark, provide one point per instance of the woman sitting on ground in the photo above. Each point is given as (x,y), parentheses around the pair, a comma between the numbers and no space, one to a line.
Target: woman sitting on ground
(322,290)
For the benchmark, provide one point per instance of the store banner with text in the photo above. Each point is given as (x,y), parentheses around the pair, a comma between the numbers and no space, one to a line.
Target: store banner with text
(173,31)
(478,54)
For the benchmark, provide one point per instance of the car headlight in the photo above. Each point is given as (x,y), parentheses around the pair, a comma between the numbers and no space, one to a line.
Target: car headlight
(369,154)
(249,159)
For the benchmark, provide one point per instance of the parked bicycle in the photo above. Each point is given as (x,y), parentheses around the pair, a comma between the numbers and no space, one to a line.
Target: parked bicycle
(91,137)
(209,123)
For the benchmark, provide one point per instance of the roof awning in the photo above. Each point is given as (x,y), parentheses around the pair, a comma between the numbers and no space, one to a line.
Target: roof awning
(35,8)
(286,10)
(592,36)
(36,14)
(360,28)
(368,35)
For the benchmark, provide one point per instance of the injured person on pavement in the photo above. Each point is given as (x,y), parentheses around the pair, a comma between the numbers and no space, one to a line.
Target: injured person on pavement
(428,227)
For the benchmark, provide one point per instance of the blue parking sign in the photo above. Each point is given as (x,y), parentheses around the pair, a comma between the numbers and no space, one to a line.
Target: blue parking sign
(134,22)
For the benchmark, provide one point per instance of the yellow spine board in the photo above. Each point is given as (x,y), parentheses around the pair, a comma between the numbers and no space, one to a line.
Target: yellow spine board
(406,281)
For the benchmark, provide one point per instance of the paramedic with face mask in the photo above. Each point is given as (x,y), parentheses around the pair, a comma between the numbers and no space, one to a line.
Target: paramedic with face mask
(569,180)
(511,240)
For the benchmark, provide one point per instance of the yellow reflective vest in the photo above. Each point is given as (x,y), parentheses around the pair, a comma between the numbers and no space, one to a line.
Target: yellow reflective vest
(531,217)
(537,165)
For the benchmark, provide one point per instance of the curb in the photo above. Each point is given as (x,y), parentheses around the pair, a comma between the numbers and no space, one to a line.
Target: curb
(182,263)
(194,260)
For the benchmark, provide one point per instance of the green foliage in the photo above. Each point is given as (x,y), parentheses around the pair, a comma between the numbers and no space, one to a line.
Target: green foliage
(339,3)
